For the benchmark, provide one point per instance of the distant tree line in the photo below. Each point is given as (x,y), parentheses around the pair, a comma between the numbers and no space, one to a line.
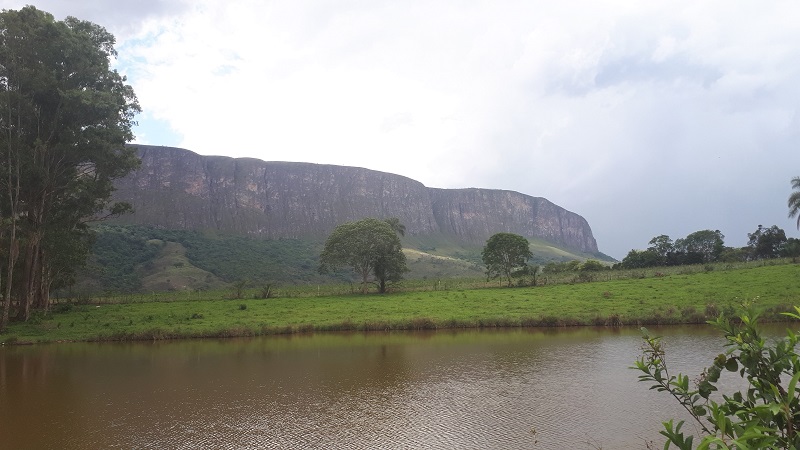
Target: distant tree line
(707,246)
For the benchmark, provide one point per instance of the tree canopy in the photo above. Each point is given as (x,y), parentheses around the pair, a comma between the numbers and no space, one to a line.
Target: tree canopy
(65,117)
(505,253)
(765,243)
(701,246)
(370,247)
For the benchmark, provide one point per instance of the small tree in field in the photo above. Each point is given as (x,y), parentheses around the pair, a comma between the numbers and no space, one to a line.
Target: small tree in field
(369,247)
(238,288)
(504,254)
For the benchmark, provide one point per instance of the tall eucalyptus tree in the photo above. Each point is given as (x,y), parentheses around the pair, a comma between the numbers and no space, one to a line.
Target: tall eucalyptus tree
(65,117)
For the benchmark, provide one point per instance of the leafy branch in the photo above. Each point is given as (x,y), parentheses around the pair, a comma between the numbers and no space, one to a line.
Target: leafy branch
(766,415)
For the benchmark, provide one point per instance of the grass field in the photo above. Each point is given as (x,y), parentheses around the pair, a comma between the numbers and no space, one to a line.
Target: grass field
(682,296)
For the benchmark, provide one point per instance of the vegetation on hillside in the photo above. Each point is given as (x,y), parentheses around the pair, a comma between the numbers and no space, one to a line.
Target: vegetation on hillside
(125,257)
(122,256)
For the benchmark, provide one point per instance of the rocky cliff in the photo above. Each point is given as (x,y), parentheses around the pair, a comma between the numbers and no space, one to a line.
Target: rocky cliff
(176,188)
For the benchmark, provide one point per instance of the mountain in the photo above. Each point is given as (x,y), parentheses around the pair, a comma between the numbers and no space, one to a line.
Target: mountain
(179,189)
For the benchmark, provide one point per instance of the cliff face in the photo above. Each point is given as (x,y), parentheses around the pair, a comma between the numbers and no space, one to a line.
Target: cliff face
(176,188)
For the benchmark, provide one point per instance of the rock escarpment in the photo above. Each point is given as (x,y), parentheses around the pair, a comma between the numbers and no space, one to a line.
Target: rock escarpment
(176,188)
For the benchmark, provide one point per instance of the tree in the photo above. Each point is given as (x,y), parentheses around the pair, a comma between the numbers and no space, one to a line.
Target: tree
(701,246)
(504,253)
(766,243)
(239,287)
(794,200)
(65,118)
(561,267)
(663,247)
(639,259)
(734,254)
(369,247)
(791,249)
(765,415)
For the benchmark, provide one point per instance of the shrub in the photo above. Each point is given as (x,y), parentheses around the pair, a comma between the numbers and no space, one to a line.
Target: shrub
(765,416)
(592,265)
(586,277)
(691,315)
(62,308)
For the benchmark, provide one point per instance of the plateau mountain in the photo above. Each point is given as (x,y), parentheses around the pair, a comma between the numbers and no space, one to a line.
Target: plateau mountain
(179,189)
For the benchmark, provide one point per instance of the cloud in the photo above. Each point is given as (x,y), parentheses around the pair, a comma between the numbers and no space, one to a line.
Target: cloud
(647,118)
(122,18)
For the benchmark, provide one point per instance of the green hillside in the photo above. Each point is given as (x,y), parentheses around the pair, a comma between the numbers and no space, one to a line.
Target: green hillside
(128,259)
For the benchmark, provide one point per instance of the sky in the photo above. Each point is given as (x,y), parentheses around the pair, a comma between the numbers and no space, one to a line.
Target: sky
(646,118)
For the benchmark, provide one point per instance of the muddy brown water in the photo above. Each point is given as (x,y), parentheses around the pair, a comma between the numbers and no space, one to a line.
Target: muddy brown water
(507,389)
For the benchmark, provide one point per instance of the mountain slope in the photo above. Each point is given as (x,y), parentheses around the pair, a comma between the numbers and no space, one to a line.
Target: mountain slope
(145,259)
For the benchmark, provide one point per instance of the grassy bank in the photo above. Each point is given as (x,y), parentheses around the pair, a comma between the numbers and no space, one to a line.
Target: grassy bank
(663,299)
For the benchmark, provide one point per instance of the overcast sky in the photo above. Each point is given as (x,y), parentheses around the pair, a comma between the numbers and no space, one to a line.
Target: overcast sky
(646,118)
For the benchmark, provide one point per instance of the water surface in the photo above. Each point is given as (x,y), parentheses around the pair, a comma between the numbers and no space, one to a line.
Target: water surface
(510,389)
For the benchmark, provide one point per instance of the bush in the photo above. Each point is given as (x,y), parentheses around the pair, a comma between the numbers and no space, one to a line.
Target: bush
(592,265)
(765,416)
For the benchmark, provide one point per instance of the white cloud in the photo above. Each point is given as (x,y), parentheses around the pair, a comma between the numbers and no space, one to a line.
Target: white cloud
(647,118)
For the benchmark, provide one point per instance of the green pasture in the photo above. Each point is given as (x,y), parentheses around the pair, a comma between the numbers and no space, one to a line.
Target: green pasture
(683,296)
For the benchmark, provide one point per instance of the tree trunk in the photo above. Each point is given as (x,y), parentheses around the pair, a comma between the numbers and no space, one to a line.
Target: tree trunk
(44,290)
(13,253)
(42,281)
(32,266)
(364,280)
(12,185)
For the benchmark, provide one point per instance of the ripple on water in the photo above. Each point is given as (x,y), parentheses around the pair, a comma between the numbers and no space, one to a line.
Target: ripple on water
(471,390)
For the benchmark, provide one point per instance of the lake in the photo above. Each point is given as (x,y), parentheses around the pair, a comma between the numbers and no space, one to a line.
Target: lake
(471,389)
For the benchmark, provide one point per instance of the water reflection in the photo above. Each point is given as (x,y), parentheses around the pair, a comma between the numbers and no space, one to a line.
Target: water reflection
(467,389)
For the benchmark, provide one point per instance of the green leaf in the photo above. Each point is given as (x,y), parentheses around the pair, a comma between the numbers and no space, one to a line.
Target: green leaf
(705,389)
(792,385)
